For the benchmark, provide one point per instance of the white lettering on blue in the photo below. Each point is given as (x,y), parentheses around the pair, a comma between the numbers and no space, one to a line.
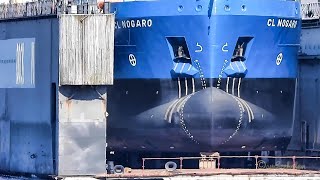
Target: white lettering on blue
(271,22)
(284,23)
(138,23)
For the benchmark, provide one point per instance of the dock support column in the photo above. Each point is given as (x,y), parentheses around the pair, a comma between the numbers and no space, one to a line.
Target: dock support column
(86,59)
(82,130)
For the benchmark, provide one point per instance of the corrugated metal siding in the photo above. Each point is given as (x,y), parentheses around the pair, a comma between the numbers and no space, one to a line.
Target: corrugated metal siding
(86,52)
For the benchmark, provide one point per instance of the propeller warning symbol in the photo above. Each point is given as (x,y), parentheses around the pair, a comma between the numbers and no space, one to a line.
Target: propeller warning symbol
(132,60)
(279,59)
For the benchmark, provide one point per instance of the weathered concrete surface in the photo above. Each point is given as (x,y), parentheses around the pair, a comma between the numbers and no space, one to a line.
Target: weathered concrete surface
(29,143)
(4,134)
(82,59)
(82,130)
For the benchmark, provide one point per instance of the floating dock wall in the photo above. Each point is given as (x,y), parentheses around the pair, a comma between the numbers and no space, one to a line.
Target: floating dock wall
(85,70)
(82,130)
(49,126)
(309,98)
(27,95)
(307,125)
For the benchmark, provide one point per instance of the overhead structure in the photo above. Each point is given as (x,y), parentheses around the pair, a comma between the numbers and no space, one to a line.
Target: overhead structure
(310,39)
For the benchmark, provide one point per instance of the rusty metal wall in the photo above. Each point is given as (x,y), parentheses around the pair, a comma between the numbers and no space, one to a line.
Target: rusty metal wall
(82,130)
(86,49)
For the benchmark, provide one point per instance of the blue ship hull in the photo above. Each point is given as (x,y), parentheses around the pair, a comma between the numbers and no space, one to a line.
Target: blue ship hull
(205,98)
(208,120)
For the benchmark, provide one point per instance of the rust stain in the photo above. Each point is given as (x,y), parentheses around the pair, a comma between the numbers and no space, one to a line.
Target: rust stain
(104,105)
(104,108)
(69,106)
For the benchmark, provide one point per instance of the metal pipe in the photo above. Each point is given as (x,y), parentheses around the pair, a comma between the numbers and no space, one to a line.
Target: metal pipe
(233,81)
(239,84)
(143,159)
(186,85)
(193,86)
(218,158)
(294,162)
(227,86)
(179,88)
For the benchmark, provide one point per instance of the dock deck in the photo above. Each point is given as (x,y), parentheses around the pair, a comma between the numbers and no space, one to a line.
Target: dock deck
(160,173)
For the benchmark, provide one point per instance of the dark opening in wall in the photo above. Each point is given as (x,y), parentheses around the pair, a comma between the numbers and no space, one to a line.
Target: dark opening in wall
(242,49)
(54,125)
(178,49)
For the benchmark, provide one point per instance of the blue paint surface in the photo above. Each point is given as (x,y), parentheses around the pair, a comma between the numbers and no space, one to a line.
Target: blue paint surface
(143,89)
(8,64)
(27,115)
(210,40)
(165,106)
(207,7)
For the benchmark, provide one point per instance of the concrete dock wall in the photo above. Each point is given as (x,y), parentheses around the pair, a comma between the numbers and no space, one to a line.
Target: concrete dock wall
(47,128)
(27,110)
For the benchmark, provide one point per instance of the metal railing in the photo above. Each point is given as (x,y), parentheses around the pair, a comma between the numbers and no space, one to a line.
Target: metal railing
(310,11)
(258,163)
(19,10)
(48,8)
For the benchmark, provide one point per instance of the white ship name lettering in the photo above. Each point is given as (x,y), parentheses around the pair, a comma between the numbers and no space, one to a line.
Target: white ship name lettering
(137,23)
(285,23)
